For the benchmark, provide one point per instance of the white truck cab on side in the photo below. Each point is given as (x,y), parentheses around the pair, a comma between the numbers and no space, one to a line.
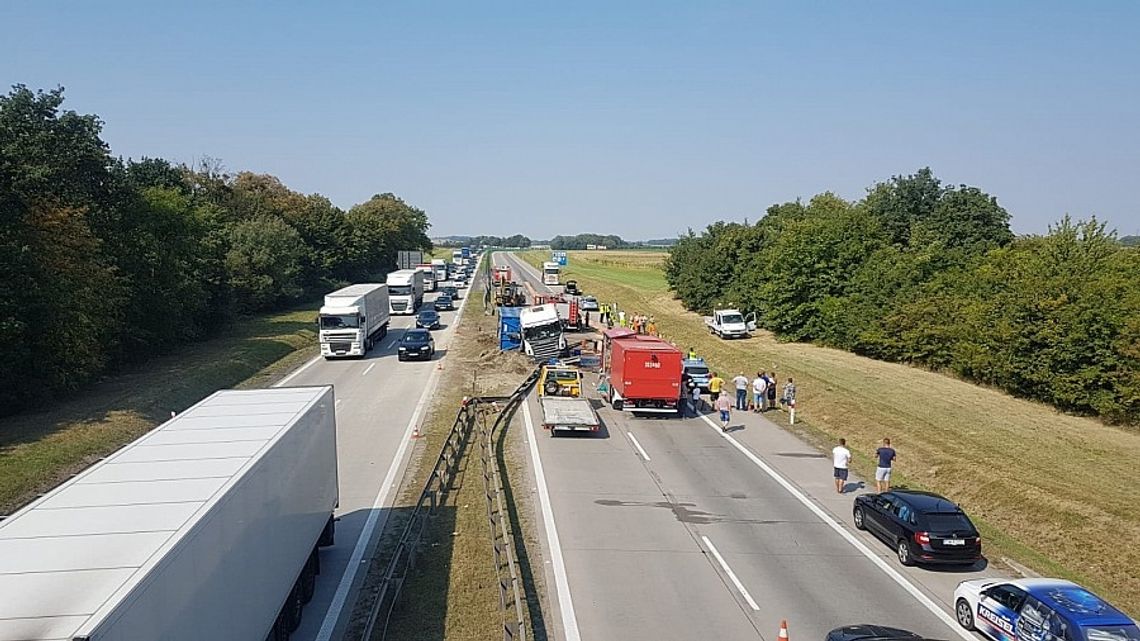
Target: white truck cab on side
(730,323)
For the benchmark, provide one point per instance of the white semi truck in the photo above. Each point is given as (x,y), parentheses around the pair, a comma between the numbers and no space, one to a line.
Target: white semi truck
(207,527)
(429,276)
(440,267)
(353,319)
(542,332)
(551,273)
(405,291)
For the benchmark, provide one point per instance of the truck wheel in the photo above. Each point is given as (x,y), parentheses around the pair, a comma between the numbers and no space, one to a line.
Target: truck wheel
(293,608)
(328,535)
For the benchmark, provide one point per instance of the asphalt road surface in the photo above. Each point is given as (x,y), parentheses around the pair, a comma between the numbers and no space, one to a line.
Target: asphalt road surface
(378,399)
(669,529)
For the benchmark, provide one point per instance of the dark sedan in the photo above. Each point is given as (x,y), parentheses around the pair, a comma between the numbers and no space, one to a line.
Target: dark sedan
(416,343)
(920,526)
(867,632)
(443,303)
(428,319)
(452,291)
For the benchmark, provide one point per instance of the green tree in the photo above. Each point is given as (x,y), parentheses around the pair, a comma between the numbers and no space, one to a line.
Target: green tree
(382,226)
(264,263)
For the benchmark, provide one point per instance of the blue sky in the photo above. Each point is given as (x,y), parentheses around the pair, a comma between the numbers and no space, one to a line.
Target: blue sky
(635,118)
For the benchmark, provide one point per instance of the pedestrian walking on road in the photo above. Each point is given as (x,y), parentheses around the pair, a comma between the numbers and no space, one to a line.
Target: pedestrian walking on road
(772,383)
(840,459)
(886,455)
(759,388)
(715,385)
(789,393)
(725,407)
(695,398)
(741,382)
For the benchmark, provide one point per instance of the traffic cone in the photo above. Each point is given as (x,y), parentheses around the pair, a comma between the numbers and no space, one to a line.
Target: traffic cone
(416,432)
(783,630)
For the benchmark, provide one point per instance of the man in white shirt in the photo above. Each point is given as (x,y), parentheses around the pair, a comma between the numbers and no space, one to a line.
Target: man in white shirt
(759,389)
(840,458)
(741,382)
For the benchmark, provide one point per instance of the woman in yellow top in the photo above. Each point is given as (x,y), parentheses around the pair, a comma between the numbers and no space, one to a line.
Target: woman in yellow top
(715,385)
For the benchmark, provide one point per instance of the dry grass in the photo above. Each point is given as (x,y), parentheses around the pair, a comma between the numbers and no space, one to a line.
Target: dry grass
(39,450)
(453,593)
(1052,491)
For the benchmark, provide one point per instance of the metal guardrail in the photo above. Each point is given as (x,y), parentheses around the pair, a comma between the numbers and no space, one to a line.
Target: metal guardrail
(435,491)
(502,539)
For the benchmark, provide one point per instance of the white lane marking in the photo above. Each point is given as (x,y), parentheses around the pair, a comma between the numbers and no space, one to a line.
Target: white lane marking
(894,574)
(368,369)
(296,372)
(565,603)
(391,343)
(338,402)
(640,449)
(332,615)
(731,575)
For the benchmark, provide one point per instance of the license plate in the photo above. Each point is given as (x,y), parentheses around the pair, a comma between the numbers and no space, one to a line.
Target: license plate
(954,542)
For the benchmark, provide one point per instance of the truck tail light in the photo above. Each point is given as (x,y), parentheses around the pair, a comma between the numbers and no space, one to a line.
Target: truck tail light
(922,538)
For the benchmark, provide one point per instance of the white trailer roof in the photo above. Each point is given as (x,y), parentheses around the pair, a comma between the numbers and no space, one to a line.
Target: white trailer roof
(357,290)
(68,553)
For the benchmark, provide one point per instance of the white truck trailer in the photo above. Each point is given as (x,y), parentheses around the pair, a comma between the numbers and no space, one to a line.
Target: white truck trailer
(353,319)
(429,276)
(405,291)
(207,527)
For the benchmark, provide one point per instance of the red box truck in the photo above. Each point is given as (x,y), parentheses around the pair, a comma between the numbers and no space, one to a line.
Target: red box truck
(644,375)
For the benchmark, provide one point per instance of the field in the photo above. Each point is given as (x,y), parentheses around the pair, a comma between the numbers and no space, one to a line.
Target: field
(1053,492)
(38,450)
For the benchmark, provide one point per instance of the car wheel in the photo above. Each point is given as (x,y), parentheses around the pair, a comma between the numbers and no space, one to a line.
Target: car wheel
(400,357)
(858,518)
(964,614)
(903,551)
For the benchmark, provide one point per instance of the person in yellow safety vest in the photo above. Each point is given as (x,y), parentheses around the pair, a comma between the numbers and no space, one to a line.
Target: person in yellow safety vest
(651,328)
(692,354)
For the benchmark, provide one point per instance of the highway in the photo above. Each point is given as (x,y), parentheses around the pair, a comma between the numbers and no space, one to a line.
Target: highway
(669,529)
(378,401)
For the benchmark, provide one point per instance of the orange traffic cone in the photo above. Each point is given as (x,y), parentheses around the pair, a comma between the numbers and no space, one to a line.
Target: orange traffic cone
(783,630)
(416,432)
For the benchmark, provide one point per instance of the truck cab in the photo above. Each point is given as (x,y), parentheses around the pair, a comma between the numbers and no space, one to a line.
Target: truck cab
(551,273)
(730,323)
(405,291)
(542,332)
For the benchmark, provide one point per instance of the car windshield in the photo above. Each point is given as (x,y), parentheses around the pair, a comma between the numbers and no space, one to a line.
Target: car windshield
(350,321)
(1112,633)
(948,522)
(732,318)
(543,331)
(428,315)
(697,371)
(415,337)
(399,290)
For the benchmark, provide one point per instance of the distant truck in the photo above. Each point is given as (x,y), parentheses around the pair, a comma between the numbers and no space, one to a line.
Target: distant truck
(207,527)
(353,319)
(730,323)
(542,336)
(405,291)
(551,273)
(564,408)
(429,276)
(457,257)
(501,275)
(644,375)
(439,265)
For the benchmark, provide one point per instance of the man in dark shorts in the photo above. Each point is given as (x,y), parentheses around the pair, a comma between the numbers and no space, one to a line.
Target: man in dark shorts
(840,459)
(886,455)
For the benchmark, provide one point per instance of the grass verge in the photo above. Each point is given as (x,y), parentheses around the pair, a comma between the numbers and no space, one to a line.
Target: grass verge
(453,592)
(1052,491)
(39,450)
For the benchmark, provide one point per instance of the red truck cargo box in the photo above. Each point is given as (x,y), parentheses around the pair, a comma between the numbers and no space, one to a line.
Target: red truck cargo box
(645,373)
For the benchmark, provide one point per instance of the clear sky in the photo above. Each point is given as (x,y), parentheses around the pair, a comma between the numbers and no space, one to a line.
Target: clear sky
(635,118)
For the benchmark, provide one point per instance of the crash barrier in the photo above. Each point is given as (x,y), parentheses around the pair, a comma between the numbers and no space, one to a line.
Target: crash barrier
(435,492)
(502,539)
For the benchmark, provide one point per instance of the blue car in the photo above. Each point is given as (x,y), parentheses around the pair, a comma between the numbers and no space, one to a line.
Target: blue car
(1039,610)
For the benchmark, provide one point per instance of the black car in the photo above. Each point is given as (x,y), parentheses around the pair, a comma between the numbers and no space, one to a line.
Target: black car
(428,319)
(571,288)
(920,526)
(452,291)
(416,343)
(443,303)
(868,632)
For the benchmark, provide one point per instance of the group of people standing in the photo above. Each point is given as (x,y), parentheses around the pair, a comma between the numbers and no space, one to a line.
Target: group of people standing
(639,323)
(885,457)
(763,390)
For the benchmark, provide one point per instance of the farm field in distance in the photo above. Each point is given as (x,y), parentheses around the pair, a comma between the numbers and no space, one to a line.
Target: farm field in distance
(1052,491)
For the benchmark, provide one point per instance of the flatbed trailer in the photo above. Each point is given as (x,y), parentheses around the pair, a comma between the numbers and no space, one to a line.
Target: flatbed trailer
(568,414)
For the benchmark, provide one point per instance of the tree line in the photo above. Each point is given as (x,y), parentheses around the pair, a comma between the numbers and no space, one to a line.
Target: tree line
(581,241)
(924,273)
(518,240)
(104,261)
